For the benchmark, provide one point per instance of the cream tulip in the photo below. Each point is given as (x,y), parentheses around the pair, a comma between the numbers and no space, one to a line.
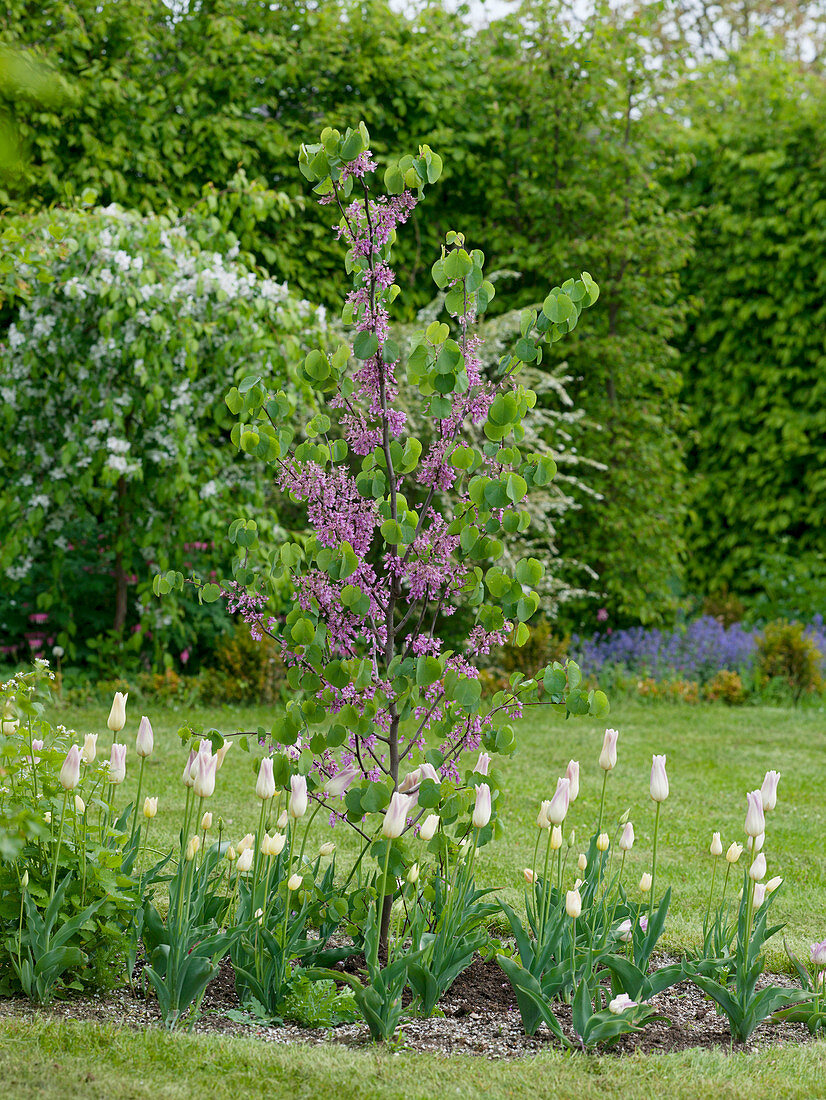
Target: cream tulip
(117,715)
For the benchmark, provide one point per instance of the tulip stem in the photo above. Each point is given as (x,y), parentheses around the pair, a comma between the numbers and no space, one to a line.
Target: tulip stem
(616,893)
(546,889)
(257,863)
(34,765)
(137,800)
(306,834)
(602,801)
(59,842)
(381,903)
(654,861)
(142,856)
(83,872)
(710,895)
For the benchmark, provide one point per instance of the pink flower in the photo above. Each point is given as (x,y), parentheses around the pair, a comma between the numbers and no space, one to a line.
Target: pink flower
(768,792)
(558,807)
(483,807)
(755,818)
(395,817)
(70,772)
(482,764)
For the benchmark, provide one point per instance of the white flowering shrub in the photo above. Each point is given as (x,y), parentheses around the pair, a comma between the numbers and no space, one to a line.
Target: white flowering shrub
(113,431)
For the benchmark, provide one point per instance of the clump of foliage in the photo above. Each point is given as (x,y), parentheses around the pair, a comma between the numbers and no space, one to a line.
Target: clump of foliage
(787,653)
(125,336)
(727,687)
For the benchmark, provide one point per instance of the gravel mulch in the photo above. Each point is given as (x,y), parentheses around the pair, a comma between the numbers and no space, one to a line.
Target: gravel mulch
(480,1018)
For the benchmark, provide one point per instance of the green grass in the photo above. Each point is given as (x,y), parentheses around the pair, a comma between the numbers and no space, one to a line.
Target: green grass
(714,756)
(61,1061)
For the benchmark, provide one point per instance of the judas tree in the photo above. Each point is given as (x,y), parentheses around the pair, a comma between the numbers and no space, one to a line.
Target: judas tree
(403,531)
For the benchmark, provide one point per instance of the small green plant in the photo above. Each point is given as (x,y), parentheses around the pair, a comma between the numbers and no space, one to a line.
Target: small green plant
(811,1009)
(726,687)
(786,652)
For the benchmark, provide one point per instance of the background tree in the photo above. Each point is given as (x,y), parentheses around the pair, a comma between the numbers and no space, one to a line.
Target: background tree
(753,356)
(579,176)
(112,375)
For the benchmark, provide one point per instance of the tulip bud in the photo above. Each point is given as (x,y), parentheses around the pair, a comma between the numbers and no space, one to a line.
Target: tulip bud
(246,842)
(37,747)
(542,819)
(608,756)
(622,1002)
(203,772)
(768,792)
(259,915)
(117,715)
(206,822)
(716,848)
(327,849)
(773,884)
(482,764)
(80,805)
(298,796)
(572,775)
(89,750)
(759,894)
(757,871)
(624,932)
(645,883)
(276,845)
(145,741)
(24,882)
(734,852)
(582,862)
(577,883)
(659,780)
(573,903)
(70,772)
(231,854)
(558,807)
(265,785)
(429,827)
(395,817)
(192,847)
(340,782)
(755,843)
(413,874)
(755,818)
(556,838)
(283,820)
(483,808)
(47,817)
(187,778)
(244,860)
(530,876)
(626,842)
(117,763)
(818,953)
(294,883)
(603,840)
(222,752)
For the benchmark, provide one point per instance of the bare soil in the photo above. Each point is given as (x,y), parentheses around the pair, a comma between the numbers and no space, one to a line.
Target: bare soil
(478,1016)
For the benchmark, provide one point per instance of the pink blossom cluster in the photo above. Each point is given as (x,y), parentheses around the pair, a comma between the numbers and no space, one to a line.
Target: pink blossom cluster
(335,507)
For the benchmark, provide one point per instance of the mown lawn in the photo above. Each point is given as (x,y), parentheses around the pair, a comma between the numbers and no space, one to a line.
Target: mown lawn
(62,1061)
(714,756)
